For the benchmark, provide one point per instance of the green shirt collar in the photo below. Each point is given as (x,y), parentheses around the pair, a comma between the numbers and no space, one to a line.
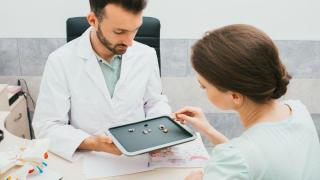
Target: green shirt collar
(114,58)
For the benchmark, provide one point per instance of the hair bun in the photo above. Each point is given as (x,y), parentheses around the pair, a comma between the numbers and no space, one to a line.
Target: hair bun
(281,88)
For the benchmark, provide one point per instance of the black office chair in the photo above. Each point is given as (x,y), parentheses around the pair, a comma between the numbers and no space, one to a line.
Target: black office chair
(148,33)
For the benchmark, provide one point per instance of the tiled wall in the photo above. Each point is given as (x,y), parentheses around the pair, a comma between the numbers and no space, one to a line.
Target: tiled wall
(25,58)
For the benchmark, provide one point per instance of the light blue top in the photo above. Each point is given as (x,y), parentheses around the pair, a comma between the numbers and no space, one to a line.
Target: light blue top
(285,150)
(111,72)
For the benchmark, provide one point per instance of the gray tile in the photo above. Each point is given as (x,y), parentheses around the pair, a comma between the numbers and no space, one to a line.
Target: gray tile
(47,46)
(302,58)
(9,57)
(34,53)
(31,60)
(174,56)
(305,90)
(227,123)
(190,70)
(316,120)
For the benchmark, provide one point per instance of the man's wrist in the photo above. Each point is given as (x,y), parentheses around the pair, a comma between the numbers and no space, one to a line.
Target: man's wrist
(88,144)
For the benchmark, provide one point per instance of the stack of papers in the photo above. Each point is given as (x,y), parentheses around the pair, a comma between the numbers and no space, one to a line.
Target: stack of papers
(191,154)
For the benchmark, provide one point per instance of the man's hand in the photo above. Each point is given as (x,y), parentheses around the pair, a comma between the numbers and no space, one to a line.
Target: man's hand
(100,143)
(158,152)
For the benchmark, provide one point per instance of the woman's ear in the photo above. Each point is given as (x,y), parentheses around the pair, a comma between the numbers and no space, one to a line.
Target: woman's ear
(93,20)
(237,99)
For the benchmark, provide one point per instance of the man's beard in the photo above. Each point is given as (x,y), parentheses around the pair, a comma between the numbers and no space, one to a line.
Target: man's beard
(118,49)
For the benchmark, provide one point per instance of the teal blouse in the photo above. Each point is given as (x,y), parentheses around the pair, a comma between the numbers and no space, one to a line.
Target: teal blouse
(284,150)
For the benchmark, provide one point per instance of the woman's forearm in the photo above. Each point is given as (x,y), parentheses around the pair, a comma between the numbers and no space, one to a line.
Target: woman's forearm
(215,136)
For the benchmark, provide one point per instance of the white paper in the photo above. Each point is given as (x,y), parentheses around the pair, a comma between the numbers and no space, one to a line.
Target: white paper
(191,154)
(98,164)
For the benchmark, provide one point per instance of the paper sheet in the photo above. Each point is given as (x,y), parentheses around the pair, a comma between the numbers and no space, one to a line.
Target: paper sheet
(104,165)
(191,154)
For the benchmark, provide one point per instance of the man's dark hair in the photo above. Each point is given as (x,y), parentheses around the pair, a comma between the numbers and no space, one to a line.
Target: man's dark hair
(134,6)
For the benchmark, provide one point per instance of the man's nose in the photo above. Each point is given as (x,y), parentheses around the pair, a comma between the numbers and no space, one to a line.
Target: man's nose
(128,40)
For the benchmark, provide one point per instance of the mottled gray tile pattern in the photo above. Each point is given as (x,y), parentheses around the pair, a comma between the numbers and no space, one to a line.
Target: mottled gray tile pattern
(190,70)
(302,58)
(227,123)
(34,53)
(307,91)
(47,46)
(9,57)
(32,62)
(174,57)
(316,120)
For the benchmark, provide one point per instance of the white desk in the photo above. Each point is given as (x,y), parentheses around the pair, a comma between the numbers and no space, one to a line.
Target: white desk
(72,171)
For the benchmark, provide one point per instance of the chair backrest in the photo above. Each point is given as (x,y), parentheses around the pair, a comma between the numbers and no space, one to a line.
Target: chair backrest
(148,33)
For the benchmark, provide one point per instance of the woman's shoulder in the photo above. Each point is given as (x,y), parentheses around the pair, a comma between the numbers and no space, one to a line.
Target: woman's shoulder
(297,107)
(300,113)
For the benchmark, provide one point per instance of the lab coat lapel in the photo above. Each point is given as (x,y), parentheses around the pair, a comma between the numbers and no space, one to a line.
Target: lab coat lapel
(94,71)
(91,64)
(126,64)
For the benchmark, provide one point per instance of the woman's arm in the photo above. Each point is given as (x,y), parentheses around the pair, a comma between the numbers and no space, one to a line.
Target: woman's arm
(215,136)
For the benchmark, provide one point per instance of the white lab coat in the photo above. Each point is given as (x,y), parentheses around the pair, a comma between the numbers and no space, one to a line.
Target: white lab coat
(74,101)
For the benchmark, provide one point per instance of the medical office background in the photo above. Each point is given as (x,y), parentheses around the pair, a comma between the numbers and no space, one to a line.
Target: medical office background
(31,29)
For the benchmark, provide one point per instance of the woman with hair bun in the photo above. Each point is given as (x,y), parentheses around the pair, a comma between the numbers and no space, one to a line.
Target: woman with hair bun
(239,68)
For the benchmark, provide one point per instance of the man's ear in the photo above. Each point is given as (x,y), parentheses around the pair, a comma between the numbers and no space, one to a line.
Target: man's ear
(93,20)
